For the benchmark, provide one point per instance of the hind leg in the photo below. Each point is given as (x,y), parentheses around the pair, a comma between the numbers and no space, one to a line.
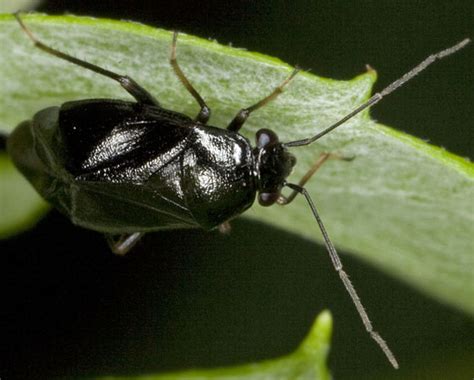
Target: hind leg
(132,87)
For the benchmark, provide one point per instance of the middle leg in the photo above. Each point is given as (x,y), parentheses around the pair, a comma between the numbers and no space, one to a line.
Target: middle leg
(244,113)
(205,112)
(124,243)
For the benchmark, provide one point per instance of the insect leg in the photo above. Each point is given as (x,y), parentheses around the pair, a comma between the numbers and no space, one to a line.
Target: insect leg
(132,87)
(205,112)
(336,261)
(225,228)
(124,243)
(283,200)
(244,113)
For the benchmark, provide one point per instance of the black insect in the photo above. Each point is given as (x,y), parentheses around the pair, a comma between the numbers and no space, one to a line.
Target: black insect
(126,168)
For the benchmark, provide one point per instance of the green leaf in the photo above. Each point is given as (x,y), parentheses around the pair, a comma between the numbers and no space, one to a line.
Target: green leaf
(402,204)
(20,205)
(306,362)
(7,6)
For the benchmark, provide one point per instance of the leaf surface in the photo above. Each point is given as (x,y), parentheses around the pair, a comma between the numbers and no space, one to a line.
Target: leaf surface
(402,204)
(307,362)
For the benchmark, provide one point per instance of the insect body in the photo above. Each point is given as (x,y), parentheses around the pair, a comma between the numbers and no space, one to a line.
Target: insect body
(131,167)
(121,167)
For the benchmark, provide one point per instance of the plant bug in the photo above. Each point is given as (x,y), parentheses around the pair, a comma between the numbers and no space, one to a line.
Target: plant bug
(127,168)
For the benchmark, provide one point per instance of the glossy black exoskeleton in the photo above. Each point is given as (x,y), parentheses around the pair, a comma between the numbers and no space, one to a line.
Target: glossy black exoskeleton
(121,167)
(127,168)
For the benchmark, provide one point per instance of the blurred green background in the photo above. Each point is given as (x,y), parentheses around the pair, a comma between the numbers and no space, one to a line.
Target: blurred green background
(191,299)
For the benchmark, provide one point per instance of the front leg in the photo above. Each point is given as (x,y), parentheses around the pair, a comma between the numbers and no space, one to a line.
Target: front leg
(282,200)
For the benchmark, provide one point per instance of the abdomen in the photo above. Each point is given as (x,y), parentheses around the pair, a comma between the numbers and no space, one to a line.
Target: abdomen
(92,200)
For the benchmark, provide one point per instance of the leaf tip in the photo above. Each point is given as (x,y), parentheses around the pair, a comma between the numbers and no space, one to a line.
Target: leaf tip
(319,335)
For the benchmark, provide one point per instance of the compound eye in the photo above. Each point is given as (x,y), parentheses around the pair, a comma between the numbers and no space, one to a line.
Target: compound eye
(267,199)
(266,137)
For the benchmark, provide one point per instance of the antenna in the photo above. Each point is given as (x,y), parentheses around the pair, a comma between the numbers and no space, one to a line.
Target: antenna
(387,90)
(336,261)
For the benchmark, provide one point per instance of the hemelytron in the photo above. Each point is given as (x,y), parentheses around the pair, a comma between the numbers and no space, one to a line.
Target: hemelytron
(126,168)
